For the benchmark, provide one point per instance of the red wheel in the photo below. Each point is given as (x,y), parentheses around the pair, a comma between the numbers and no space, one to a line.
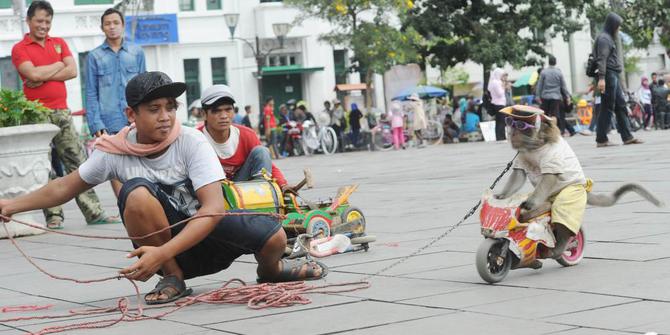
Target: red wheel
(575,251)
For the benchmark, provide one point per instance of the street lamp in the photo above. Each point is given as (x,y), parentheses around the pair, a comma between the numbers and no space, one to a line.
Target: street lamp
(280,30)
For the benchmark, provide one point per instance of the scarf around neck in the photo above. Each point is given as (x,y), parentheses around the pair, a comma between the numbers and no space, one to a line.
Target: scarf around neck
(120,145)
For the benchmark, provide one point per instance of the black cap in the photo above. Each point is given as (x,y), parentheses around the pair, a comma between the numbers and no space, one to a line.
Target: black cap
(148,86)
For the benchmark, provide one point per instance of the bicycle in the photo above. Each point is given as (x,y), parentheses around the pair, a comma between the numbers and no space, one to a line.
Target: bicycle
(316,137)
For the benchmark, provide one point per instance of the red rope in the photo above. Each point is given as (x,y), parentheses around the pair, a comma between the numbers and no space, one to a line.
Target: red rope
(24,308)
(254,296)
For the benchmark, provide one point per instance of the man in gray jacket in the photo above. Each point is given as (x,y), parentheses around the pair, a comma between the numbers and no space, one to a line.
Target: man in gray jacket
(609,70)
(552,90)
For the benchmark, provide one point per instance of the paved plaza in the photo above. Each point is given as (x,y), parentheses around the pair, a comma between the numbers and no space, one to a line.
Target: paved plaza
(409,197)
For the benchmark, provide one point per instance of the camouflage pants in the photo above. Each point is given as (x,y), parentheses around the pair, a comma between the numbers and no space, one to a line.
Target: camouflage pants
(70,151)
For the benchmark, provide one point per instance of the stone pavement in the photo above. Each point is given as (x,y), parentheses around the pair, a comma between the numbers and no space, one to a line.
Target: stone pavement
(408,197)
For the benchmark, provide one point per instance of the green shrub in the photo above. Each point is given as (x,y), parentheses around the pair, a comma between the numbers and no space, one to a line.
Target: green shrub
(16,110)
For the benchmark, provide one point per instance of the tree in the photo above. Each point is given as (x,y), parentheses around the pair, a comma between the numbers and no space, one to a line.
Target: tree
(491,32)
(641,19)
(366,27)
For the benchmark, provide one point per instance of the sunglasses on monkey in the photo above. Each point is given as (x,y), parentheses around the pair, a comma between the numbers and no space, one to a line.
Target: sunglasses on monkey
(517,124)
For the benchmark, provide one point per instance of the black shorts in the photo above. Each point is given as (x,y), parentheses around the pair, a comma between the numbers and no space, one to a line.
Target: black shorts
(233,236)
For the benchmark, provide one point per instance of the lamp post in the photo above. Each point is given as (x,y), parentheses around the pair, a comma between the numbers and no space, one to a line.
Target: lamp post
(280,30)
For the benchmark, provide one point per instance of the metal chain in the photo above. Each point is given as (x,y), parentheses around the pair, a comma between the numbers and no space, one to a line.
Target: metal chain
(443,235)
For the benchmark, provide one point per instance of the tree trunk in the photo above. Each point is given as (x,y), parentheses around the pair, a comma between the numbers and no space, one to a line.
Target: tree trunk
(368,90)
(485,84)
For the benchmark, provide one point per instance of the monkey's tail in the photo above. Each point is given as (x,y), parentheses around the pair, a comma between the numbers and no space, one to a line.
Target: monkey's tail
(606,200)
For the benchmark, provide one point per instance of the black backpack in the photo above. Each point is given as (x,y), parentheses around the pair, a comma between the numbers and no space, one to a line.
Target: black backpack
(592,66)
(592,62)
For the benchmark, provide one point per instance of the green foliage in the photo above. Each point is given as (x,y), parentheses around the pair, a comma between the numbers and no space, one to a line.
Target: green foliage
(380,46)
(640,19)
(377,45)
(491,32)
(16,110)
(455,76)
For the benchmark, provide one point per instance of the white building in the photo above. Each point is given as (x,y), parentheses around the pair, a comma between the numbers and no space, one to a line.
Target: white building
(304,69)
(571,57)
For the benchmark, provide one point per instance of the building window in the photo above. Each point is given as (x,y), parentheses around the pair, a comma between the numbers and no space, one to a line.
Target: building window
(340,60)
(213,4)
(186,5)
(5,3)
(219,71)
(9,77)
(192,79)
(93,2)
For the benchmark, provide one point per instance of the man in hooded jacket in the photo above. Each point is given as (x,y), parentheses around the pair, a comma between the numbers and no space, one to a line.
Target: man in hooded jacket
(609,70)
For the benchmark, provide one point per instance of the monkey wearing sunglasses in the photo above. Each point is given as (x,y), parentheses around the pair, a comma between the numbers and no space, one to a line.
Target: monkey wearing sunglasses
(556,175)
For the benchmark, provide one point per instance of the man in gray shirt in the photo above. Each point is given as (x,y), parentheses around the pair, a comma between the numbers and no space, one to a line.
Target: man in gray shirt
(552,91)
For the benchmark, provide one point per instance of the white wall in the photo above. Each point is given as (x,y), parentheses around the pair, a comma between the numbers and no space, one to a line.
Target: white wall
(203,34)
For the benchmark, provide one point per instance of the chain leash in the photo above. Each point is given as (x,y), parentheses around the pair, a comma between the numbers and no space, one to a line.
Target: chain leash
(447,232)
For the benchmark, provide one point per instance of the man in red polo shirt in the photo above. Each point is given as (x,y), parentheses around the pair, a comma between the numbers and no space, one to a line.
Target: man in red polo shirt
(44,64)
(241,154)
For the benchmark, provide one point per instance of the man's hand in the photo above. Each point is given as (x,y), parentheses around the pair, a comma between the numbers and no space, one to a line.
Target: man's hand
(33,84)
(601,85)
(4,208)
(151,259)
(100,132)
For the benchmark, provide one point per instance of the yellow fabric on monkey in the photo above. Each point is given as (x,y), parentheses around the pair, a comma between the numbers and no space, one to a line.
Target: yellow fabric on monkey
(568,206)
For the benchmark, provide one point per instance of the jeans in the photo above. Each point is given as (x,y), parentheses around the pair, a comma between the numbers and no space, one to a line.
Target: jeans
(594,117)
(500,123)
(258,159)
(647,114)
(613,102)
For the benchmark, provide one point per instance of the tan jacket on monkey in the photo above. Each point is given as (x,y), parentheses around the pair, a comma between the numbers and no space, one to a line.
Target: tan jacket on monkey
(555,172)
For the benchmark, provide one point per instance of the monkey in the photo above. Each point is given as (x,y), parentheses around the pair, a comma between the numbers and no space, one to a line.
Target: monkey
(553,169)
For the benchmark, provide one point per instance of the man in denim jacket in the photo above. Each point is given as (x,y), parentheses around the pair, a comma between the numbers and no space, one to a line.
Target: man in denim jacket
(109,67)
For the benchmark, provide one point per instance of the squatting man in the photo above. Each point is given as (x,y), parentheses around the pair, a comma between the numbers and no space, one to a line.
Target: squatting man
(170,174)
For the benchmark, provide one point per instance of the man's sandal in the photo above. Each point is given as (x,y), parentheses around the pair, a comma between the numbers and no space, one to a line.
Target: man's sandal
(55,223)
(105,220)
(292,268)
(178,286)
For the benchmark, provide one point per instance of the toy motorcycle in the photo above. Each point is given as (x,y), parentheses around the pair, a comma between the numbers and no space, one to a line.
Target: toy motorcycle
(511,244)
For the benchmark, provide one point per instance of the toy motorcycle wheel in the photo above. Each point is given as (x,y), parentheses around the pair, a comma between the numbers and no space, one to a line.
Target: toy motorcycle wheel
(491,265)
(318,227)
(352,214)
(575,250)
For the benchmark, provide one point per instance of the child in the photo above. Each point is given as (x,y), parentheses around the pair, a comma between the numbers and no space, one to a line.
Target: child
(397,125)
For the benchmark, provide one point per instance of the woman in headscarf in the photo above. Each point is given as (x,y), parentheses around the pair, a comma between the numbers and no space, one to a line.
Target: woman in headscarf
(644,93)
(498,100)
(419,117)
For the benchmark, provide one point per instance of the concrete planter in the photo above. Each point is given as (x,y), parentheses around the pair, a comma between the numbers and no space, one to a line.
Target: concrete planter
(24,167)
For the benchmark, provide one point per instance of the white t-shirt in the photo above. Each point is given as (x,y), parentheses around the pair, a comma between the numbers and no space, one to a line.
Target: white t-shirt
(555,158)
(227,149)
(188,164)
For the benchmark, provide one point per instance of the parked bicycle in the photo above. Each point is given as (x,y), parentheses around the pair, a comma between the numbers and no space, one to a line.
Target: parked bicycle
(318,138)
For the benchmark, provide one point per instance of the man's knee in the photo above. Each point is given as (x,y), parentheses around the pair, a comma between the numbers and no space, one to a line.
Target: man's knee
(260,152)
(137,200)
(134,196)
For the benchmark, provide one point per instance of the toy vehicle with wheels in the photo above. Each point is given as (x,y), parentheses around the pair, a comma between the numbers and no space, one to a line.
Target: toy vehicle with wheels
(511,244)
(317,219)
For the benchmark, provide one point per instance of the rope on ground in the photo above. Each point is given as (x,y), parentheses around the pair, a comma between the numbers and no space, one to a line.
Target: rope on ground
(256,297)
